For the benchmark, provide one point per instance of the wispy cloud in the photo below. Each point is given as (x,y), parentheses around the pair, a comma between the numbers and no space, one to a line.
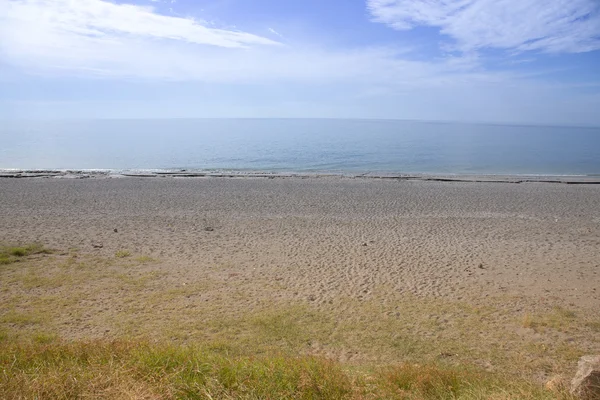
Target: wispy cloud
(97,20)
(274,32)
(100,38)
(556,26)
(90,39)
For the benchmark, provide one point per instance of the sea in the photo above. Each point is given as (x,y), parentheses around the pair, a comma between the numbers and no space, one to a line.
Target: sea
(299,145)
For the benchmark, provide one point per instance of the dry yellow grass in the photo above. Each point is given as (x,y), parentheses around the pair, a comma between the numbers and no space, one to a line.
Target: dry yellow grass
(77,325)
(139,370)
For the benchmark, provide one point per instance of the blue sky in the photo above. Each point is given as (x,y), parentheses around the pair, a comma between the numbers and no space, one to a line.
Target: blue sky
(513,61)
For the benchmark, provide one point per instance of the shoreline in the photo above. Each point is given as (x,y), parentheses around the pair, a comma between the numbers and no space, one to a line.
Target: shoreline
(590,179)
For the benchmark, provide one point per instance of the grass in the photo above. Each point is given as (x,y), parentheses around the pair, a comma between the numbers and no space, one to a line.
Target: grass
(44,338)
(145,259)
(123,254)
(128,370)
(21,319)
(560,319)
(218,336)
(12,254)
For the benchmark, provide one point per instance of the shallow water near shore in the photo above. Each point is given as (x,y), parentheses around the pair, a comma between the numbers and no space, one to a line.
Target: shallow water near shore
(285,145)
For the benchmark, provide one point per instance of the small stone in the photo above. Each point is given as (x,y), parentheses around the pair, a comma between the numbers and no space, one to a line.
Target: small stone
(586,384)
(481,266)
(97,245)
(209,229)
(116,230)
(312,298)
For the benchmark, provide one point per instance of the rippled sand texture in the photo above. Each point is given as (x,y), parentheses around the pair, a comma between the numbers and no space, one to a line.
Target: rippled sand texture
(354,269)
(323,237)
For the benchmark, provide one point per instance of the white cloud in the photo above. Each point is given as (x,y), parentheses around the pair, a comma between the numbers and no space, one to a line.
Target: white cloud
(103,21)
(98,38)
(274,32)
(101,39)
(559,26)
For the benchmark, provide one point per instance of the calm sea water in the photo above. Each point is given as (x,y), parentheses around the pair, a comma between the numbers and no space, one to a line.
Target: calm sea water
(300,145)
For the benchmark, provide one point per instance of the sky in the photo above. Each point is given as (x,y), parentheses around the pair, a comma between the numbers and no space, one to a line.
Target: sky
(503,61)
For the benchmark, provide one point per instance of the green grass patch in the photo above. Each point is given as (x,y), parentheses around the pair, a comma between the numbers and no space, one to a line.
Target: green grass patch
(123,254)
(246,320)
(560,319)
(125,369)
(44,338)
(12,254)
(21,319)
(145,259)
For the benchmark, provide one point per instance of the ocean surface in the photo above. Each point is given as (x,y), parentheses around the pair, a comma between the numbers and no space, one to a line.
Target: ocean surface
(296,145)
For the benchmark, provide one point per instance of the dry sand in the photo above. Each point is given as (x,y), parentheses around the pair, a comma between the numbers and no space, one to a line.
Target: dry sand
(327,236)
(314,241)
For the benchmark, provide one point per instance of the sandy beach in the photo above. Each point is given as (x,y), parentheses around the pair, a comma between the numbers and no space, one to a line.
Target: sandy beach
(489,266)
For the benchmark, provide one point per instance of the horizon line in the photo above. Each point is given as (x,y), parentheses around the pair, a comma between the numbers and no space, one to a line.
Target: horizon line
(433,121)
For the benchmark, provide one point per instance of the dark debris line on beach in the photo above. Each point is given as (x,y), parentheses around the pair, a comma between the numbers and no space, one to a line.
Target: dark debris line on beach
(80,174)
